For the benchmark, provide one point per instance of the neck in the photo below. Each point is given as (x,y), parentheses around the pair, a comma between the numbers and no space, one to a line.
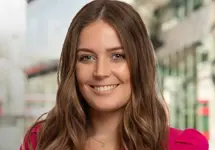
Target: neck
(104,125)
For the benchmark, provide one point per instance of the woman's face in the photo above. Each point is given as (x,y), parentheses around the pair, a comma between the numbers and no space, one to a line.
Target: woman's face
(101,69)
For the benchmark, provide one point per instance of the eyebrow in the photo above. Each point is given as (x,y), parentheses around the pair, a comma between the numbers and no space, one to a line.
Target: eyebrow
(108,49)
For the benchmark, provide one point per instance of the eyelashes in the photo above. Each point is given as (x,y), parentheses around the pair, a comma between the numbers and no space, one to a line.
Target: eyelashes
(90,57)
(118,56)
(86,58)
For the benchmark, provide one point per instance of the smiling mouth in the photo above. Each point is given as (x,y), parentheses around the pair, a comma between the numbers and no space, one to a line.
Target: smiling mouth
(104,87)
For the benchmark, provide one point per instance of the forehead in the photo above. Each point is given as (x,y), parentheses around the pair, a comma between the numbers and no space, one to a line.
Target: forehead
(98,34)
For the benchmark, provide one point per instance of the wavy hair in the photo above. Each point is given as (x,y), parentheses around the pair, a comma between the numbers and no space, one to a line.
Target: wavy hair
(145,123)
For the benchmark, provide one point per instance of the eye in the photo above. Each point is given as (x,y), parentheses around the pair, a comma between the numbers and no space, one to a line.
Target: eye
(118,56)
(86,58)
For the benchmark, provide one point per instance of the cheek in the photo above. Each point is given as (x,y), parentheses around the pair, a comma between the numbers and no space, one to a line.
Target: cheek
(82,73)
(123,73)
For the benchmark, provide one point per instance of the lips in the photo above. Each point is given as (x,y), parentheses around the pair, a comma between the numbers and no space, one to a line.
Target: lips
(103,88)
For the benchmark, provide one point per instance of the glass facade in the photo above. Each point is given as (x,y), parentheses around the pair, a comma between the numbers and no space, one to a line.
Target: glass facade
(178,81)
(185,71)
(186,86)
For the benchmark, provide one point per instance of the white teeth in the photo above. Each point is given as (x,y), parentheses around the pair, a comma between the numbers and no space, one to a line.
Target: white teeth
(105,88)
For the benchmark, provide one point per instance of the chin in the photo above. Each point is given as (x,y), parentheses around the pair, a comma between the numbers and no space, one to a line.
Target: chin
(106,108)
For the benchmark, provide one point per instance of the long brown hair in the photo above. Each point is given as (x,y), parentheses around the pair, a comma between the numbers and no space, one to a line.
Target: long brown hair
(145,123)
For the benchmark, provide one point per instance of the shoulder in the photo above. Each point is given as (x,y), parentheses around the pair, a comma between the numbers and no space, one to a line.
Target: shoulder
(30,138)
(188,139)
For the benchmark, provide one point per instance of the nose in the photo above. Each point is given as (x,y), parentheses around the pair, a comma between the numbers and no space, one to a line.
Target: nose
(102,69)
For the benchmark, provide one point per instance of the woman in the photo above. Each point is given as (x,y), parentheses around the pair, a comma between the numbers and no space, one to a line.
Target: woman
(107,97)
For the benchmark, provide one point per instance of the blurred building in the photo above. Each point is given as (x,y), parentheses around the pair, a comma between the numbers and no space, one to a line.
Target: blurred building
(186,30)
(41,88)
(24,33)
(12,78)
(47,24)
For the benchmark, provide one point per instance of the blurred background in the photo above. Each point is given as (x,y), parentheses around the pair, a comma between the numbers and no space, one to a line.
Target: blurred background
(31,38)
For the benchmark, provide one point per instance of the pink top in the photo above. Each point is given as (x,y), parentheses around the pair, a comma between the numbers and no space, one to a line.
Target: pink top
(188,139)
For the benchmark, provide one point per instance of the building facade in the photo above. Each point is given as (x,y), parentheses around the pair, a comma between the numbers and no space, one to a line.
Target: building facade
(186,64)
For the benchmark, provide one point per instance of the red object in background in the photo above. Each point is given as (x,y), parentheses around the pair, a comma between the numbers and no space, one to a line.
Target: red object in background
(202,101)
(206,134)
(203,111)
(34,69)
